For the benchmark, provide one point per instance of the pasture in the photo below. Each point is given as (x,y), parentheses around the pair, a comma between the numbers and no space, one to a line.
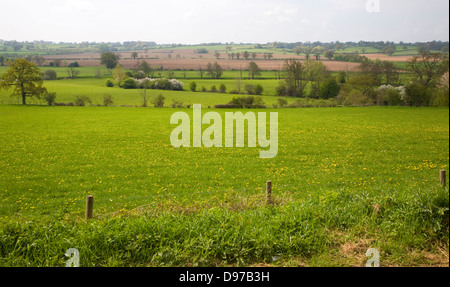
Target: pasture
(344,180)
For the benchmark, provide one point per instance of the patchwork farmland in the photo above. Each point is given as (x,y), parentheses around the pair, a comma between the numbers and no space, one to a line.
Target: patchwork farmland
(360,163)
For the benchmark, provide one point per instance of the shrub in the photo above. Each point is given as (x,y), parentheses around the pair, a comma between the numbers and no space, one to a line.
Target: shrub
(177,104)
(441,97)
(417,95)
(50,98)
(259,103)
(234,92)
(282,103)
(158,102)
(109,83)
(138,75)
(107,100)
(281,90)
(227,106)
(176,85)
(258,89)
(389,95)
(160,84)
(342,77)
(355,98)
(201,51)
(129,84)
(193,86)
(64,104)
(213,89)
(222,89)
(82,101)
(49,75)
(329,89)
(247,102)
(74,65)
(250,89)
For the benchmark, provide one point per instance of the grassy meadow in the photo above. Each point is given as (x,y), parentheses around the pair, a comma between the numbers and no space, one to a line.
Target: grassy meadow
(344,180)
(86,84)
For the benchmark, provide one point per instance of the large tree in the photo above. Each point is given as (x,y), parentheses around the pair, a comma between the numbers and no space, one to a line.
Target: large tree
(295,79)
(24,78)
(214,70)
(253,70)
(147,69)
(429,67)
(316,73)
(109,59)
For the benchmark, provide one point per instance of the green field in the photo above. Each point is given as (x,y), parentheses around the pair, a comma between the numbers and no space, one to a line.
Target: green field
(344,180)
(68,90)
(86,84)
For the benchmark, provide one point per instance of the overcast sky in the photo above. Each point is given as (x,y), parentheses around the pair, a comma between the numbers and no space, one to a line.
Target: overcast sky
(205,21)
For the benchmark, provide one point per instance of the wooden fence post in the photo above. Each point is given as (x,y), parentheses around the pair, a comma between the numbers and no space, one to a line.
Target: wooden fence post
(89,206)
(269,191)
(443,178)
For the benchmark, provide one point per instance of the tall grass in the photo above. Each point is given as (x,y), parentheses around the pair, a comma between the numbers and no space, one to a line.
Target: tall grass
(345,180)
(396,222)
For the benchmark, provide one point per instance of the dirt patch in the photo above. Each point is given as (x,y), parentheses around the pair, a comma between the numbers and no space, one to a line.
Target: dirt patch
(182,59)
(188,59)
(383,57)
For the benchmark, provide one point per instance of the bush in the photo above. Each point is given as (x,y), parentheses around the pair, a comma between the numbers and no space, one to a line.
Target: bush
(158,102)
(355,98)
(222,89)
(107,100)
(329,89)
(235,92)
(81,101)
(258,89)
(247,102)
(417,95)
(259,103)
(138,75)
(250,89)
(160,84)
(177,104)
(109,83)
(129,84)
(389,95)
(281,90)
(49,75)
(441,95)
(281,103)
(74,65)
(227,106)
(50,98)
(193,86)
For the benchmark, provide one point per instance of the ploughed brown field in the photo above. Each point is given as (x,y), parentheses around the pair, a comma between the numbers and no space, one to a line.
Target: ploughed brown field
(189,60)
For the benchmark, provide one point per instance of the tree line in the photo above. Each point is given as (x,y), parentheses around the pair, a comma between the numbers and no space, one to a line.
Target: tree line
(376,83)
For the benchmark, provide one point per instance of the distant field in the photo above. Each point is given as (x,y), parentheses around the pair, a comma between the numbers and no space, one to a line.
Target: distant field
(345,180)
(95,89)
(188,59)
